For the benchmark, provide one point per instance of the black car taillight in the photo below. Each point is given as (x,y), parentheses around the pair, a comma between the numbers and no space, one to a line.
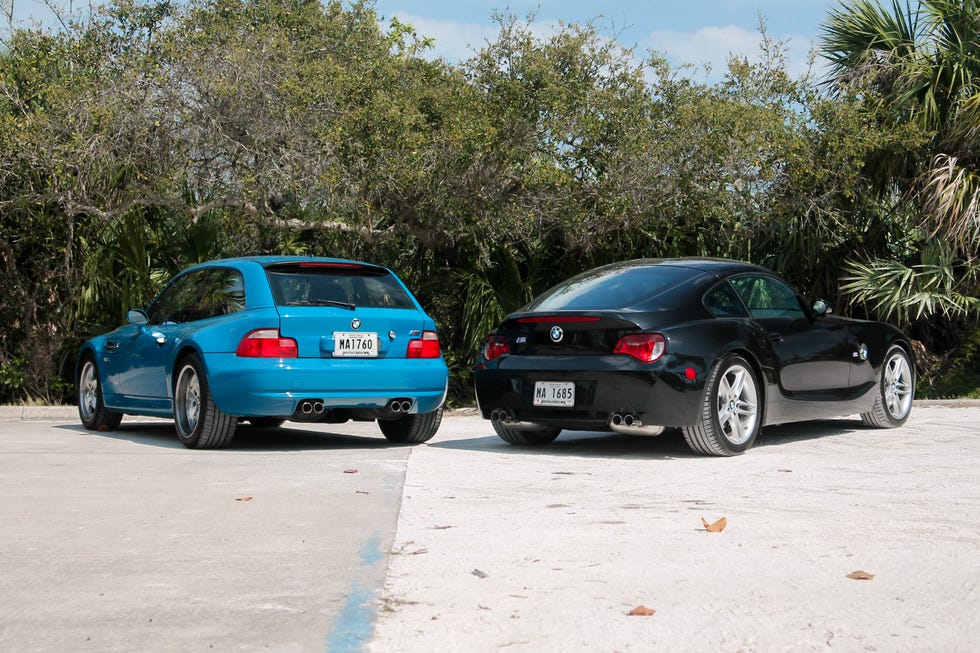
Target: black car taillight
(494,347)
(646,347)
(267,343)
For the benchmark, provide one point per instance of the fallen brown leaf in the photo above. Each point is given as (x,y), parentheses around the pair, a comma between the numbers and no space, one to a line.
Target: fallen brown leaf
(860,575)
(350,471)
(716,527)
(641,611)
(244,499)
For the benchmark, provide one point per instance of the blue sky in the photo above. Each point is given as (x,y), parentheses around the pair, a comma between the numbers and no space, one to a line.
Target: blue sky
(692,31)
(688,31)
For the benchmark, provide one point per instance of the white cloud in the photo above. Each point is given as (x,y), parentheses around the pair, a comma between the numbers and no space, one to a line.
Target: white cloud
(456,41)
(713,45)
(452,40)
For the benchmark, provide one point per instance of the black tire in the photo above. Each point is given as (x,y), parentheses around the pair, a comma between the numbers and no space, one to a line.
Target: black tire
(266,422)
(731,415)
(88,394)
(536,438)
(200,423)
(412,429)
(896,389)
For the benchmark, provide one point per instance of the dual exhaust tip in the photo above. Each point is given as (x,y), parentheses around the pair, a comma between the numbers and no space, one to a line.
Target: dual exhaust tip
(624,419)
(507,418)
(399,405)
(630,424)
(311,407)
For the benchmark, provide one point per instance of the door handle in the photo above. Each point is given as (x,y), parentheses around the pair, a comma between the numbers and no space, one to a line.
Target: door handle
(776,337)
(111,345)
(159,337)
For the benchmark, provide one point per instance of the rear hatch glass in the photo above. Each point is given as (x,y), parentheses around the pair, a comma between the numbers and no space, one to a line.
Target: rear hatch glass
(589,313)
(343,310)
(613,288)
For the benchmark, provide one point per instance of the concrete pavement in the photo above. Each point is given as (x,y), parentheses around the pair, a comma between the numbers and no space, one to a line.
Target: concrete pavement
(327,538)
(127,541)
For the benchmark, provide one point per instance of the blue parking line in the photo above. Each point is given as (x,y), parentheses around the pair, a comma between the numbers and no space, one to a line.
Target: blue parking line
(354,625)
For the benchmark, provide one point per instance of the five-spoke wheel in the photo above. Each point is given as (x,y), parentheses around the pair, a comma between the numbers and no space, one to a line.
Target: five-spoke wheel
(731,412)
(91,407)
(896,389)
(200,423)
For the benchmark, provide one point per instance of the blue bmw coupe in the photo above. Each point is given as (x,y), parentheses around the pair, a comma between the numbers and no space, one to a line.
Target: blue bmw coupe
(265,340)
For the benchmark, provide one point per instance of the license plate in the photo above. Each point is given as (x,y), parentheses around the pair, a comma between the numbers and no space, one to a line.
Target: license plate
(554,393)
(355,345)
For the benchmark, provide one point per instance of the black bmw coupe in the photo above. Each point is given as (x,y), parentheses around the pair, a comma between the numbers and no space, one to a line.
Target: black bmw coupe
(718,348)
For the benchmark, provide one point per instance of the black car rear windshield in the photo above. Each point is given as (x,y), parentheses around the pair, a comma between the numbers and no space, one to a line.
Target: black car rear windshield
(339,285)
(612,288)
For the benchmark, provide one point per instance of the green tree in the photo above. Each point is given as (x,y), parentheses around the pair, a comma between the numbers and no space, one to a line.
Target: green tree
(918,65)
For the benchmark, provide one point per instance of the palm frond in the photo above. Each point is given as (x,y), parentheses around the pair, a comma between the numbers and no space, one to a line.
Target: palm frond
(863,41)
(941,285)
(951,200)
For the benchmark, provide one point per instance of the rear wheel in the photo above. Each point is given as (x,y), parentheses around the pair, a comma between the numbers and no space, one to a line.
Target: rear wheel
(200,423)
(411,429)
(896,387)
(91,409)
(730,415)
(535,438)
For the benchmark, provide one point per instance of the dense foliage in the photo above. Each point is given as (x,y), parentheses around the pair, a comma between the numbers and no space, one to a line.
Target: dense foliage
(152,135)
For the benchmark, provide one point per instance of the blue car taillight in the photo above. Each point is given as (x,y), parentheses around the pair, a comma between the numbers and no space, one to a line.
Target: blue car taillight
(425,347)
(267,343)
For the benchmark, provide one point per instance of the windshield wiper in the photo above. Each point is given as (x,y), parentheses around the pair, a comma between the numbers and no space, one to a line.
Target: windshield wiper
(324,302)
(333,302)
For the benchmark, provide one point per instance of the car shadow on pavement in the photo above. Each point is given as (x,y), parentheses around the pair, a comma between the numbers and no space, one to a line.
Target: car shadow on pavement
(813,430)
(669,445)
(584,444)
(247,438)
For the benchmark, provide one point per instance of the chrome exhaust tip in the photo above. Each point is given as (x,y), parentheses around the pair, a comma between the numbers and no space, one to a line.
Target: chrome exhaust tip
(630,424)
(399,405)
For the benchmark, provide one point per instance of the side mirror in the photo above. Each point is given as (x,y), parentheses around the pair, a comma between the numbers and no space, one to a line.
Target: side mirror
(821,308)
(137,317)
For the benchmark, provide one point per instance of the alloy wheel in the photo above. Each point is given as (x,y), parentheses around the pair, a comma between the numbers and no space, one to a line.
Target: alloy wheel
(88,398)
(898,386)
(188,398)
(738,404)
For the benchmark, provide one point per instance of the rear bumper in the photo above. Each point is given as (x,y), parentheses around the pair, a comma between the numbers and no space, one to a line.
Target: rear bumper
(658,394)
(274,387)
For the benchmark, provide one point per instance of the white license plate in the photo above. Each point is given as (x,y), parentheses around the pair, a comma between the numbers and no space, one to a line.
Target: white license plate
(355,345)
(554,393)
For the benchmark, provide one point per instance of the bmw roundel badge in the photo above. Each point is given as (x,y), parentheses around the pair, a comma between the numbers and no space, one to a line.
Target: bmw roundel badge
(355,324)
(557,334)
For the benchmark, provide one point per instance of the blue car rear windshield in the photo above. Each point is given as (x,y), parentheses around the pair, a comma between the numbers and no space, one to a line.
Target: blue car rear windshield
(612,288)
(353,286)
